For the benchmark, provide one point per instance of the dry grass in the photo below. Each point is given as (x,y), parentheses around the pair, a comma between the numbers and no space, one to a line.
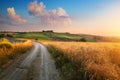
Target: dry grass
(9,51)
(100,61)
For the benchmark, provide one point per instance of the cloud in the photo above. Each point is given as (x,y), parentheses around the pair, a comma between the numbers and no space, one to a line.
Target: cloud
(57,17)
(37,9)
(14,17)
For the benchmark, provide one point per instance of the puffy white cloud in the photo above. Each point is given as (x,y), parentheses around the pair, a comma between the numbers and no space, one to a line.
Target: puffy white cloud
(58,12)
(37,9)
(14,17)
(57,17)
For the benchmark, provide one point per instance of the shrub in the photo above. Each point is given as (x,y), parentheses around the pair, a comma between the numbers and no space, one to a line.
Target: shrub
(10,51)
(2,35)
(6,45)
(83,40)
(11,35)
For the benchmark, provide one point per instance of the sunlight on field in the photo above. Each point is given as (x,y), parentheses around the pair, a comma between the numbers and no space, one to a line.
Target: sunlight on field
(9,51)
(101,61)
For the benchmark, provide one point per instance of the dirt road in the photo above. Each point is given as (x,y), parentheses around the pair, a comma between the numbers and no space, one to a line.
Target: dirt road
(38,65)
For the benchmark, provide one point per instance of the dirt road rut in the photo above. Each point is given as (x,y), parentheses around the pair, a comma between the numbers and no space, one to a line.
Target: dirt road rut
(38,65)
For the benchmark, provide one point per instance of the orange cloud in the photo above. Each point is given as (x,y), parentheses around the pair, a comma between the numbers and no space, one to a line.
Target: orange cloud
(57,17)
(14,17)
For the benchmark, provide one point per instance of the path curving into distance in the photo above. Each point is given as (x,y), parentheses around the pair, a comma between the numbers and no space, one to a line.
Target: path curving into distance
(47,69)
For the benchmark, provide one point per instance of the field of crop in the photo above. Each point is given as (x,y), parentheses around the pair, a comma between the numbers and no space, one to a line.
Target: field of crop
(87,61)
(9,51)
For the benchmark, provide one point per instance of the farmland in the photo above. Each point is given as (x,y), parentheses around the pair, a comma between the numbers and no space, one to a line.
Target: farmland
(77,57)
(55,36)
(60,40)
(86,61)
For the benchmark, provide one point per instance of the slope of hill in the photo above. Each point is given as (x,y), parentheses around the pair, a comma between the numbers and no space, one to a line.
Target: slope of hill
(54,36)
(49,36)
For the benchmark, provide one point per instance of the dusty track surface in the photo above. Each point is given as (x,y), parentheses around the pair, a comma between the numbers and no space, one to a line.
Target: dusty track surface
(38,65)
(43,67)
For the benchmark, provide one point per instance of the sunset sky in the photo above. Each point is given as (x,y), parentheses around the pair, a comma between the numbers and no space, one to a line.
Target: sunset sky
(97,17)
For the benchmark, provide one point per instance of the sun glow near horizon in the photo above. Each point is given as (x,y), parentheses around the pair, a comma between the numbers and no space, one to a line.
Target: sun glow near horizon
(100,17)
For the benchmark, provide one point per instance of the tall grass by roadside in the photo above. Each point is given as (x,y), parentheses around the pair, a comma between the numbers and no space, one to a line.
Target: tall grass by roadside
(9,51)
(87,61)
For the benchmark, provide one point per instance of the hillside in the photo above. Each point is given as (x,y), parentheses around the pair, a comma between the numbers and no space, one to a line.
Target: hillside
(55,36)
(65,37)
(49,36)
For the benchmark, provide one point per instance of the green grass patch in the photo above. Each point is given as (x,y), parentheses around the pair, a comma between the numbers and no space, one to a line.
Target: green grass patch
(49,36)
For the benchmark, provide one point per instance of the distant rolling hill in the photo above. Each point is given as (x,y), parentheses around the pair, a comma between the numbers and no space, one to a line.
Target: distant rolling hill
(66,37)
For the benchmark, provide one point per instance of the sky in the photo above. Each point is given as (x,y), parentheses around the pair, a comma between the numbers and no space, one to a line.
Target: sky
(96,17)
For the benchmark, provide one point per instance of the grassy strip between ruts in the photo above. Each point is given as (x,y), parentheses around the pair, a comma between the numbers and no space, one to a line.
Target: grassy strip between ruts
(69,70)
(10,51)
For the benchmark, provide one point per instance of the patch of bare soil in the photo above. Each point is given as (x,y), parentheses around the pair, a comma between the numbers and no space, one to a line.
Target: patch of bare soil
(43,67)
(34,70)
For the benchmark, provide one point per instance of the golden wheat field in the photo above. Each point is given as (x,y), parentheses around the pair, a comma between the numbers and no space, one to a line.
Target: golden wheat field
(9,51)
(101,61)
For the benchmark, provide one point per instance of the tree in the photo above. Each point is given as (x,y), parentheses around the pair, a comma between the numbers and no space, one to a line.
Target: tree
(83,40)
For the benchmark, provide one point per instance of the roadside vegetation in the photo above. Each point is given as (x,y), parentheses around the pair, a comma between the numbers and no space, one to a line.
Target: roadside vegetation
(86,61)
(10,51)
